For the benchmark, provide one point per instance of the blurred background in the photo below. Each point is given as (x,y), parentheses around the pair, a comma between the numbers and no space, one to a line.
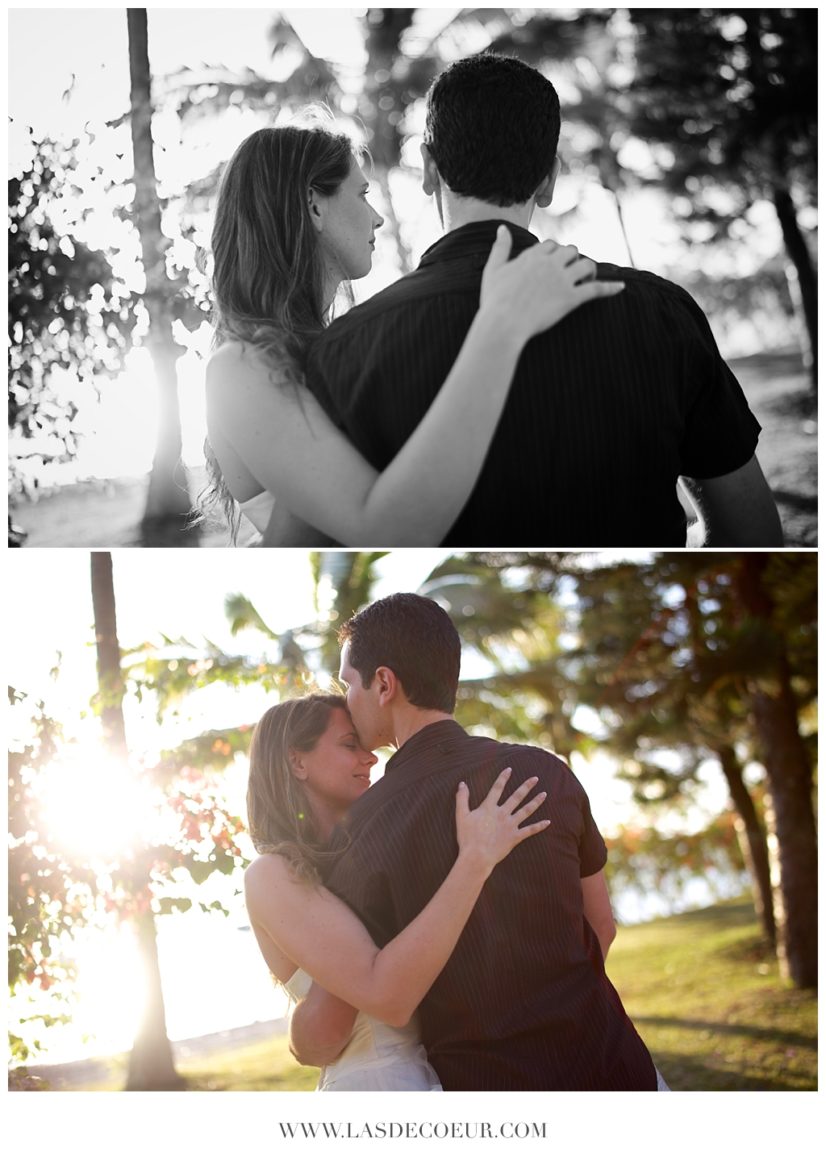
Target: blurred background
(680,687)
(688,148)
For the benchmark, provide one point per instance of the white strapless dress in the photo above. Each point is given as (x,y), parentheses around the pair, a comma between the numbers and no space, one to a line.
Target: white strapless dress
(377,1058)
(258,510)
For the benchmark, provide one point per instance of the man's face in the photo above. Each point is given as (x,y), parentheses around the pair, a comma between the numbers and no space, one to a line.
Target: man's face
(363,705)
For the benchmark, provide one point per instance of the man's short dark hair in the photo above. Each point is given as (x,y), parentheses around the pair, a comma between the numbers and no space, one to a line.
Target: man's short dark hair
(412,636)
(492,128)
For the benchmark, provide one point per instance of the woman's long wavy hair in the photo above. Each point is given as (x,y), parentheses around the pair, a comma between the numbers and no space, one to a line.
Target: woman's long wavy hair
(268,271)
(279,816)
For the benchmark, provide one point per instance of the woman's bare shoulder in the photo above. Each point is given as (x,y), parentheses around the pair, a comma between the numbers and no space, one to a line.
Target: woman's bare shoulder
(234,360)
(271,872)
(266,870)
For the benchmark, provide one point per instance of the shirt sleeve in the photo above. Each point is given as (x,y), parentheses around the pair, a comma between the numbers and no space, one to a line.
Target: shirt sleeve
(720,432)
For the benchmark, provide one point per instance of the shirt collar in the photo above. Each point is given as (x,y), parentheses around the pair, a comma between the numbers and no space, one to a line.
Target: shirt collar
(475,238)
(441,737)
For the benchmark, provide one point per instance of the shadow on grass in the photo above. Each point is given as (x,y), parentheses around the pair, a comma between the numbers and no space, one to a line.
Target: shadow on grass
(693,1073)
(771,1034)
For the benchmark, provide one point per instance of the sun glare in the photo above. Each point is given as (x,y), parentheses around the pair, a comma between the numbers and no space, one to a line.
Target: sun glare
(95,806)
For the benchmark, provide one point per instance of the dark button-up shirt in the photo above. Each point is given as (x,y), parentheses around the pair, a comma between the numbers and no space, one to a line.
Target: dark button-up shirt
(523,1002)
(606,410)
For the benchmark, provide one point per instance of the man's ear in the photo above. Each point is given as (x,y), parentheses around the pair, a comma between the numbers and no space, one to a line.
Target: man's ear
(386,685)
(431,182)
(318,209)
(545,190)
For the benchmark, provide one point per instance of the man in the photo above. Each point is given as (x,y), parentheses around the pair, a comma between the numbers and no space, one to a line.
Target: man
(609,409)
(523,1003)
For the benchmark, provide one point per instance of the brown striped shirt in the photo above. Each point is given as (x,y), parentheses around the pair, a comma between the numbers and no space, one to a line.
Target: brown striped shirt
(606,410)
(524,1002)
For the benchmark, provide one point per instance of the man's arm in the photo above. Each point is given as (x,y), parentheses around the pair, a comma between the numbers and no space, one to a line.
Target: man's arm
(596,905)
(736,509)
(320,1027)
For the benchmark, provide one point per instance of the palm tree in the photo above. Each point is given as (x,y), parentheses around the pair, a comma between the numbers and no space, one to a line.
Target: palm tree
(151,1065)
(167,503)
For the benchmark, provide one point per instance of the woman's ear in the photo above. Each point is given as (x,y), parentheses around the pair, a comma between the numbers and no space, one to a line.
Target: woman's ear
(297,767)
(317,209)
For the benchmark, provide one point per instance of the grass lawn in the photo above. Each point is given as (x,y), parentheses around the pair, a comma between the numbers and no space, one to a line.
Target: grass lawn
(264,1066)
(704,992)
(702,989)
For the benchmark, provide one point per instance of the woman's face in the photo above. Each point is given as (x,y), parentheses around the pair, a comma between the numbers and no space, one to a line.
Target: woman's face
(347,224)
(337,770)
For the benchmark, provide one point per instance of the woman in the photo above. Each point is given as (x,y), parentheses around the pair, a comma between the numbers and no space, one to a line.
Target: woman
(292,224)
(307,768)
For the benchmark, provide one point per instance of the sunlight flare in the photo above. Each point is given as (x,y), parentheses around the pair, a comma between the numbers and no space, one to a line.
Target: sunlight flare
(96,807)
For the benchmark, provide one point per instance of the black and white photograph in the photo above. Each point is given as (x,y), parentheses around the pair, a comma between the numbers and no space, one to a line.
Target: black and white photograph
(413,277)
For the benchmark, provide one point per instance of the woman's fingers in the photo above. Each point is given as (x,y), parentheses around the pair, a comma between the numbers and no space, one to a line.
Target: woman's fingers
(516,797)
(568,254)
(501,249)
(498,786)
(531,830)
(582,270)
(527,809)
(462,800)
(517,807)
(597,290)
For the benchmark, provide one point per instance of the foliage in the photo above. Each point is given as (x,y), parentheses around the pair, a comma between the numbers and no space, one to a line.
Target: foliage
(650,861)
(661,654)
(67,309)
(50,894)
(54,891)
(734,93)
(730,97)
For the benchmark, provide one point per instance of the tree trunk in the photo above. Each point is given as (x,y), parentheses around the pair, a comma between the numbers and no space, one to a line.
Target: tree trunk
(151,1066)
(167,503)
(790,782)
(752,841)
(804,295)
(151,1063)
(110,678)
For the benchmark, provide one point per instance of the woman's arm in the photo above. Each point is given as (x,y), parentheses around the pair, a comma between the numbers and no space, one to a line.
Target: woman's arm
(320,1027)
(318,932)
(596,905)
(297,454)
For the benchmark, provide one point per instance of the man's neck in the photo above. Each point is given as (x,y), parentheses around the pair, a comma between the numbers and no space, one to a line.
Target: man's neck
(412,719)
(457,212)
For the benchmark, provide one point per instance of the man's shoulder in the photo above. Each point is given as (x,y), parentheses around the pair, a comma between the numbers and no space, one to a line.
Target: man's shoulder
(417,292)
(644,282)
(649,288)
